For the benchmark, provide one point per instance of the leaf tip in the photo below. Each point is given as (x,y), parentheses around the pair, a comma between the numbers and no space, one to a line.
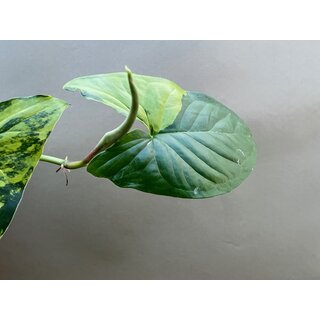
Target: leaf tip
(128,70)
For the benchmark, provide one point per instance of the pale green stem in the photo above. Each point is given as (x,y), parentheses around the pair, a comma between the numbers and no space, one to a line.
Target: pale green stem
(108,139)
(64,162)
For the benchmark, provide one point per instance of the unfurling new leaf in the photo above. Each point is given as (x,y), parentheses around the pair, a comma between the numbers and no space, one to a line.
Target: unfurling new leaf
(160,99)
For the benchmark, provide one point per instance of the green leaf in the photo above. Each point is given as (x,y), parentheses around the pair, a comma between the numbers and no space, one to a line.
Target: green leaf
(25,124)
(207,151)
(159,99)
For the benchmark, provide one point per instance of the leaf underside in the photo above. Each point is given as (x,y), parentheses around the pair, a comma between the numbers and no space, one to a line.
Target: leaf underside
(159,99)
(25,124)
(205,152)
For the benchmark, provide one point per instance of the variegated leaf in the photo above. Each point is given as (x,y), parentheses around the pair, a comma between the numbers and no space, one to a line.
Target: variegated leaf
(25,124)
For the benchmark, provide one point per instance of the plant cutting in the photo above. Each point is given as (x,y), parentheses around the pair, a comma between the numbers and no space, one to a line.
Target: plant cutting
(192,146)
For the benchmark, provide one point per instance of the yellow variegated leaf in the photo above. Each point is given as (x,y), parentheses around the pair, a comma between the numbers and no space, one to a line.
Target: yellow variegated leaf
(25,124)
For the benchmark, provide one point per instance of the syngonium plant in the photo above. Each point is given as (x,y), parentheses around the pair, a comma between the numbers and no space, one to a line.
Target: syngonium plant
(193,146)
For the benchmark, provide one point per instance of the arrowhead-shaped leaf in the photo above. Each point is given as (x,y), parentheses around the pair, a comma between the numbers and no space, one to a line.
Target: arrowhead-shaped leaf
(159,99)
(25,124)
(207,151)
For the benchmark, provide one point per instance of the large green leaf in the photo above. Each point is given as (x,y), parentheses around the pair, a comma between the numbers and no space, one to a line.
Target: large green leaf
(159,99)
(25,124)
(207,151)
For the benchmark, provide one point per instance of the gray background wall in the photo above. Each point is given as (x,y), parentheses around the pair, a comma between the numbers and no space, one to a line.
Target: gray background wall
(268,228)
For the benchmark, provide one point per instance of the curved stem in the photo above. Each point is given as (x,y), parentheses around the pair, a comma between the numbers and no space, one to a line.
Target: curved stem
(108,139)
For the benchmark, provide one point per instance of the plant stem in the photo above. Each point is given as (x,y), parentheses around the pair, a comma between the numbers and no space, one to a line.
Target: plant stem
(64,162)
(108,139)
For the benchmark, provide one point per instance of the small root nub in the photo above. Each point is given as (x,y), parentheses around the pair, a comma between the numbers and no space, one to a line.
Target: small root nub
(64,170)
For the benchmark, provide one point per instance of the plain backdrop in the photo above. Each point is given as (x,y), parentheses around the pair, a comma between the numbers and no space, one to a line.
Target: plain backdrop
(267,228)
